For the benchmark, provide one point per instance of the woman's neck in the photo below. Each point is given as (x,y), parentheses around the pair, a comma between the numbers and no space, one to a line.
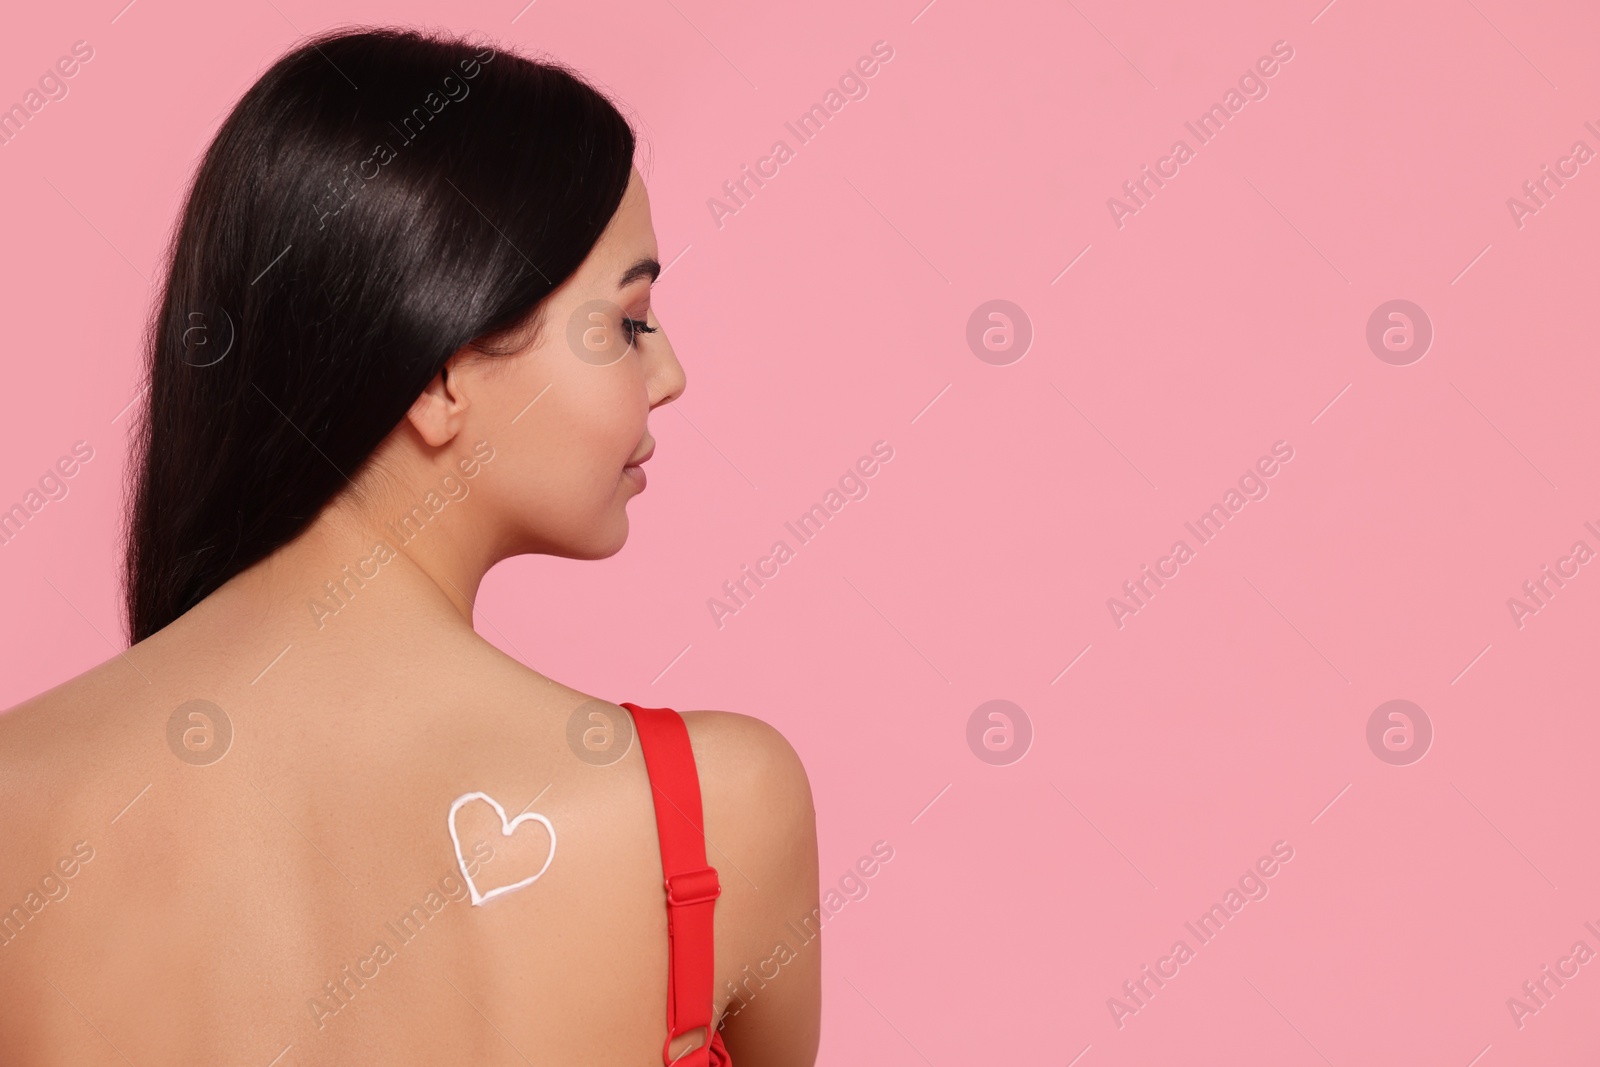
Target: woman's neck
(362,570)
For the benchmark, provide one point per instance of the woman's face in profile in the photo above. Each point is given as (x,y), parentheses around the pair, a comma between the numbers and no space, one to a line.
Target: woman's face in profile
(567,414)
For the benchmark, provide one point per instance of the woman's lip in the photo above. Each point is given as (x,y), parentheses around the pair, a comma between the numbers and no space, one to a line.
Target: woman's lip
(641,459)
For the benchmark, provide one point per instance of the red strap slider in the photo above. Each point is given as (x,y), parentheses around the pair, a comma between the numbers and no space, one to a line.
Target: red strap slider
(693,886)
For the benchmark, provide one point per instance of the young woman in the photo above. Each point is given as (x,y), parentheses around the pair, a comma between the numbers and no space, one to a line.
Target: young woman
(310,816)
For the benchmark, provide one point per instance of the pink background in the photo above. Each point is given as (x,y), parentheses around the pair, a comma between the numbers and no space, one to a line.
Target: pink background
(831,312)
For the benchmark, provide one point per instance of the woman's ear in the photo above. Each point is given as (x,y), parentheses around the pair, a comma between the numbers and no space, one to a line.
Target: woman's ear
(439,412)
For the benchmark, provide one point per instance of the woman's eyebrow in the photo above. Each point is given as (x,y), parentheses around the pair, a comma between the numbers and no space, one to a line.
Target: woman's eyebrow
(645,268)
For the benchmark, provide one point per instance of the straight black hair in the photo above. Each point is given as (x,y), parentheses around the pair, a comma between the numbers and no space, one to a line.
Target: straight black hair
(378,200)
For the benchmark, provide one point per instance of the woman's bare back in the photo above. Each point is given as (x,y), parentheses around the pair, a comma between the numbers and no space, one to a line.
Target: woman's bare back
(299,900)
(270,877)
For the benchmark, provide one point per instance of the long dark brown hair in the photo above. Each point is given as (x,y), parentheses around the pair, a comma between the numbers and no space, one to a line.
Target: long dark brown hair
(376,201)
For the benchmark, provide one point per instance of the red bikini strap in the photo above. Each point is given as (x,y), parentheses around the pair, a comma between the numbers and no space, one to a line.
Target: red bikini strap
(692,887)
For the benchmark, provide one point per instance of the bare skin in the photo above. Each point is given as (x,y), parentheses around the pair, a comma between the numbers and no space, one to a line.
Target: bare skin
(210,905)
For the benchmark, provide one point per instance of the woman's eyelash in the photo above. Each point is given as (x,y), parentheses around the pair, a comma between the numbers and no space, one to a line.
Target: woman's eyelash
(634,327)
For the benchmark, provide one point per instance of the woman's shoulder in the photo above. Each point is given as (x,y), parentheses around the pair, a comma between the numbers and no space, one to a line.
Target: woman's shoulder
(746,755)
(65,781)
(761,836)
(759,812)
(69,725)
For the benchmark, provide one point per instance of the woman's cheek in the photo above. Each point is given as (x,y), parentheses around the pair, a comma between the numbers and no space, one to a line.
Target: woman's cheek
(630,409)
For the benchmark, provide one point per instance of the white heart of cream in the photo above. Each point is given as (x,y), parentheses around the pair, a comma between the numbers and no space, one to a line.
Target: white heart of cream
(506,829)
